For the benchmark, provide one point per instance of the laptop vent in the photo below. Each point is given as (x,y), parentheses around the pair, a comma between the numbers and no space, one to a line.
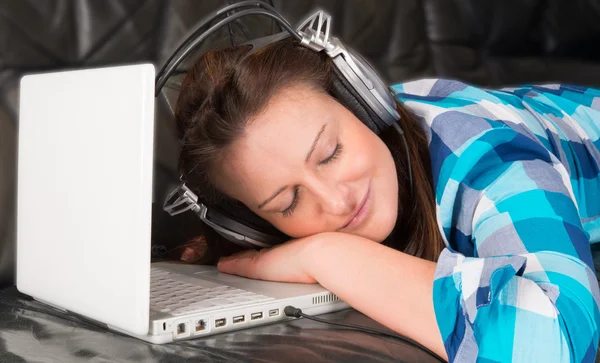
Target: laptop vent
(326,298)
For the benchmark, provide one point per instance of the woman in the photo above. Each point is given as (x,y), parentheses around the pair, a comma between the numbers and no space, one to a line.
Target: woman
(487,258)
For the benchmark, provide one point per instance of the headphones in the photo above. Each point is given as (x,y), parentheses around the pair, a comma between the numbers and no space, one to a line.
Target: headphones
(356,86)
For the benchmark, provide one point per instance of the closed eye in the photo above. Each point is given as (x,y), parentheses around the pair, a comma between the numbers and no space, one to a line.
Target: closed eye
(333,156)
(289,210)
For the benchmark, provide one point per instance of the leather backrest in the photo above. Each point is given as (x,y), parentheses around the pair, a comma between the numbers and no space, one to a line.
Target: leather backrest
(8,147)
(497,42)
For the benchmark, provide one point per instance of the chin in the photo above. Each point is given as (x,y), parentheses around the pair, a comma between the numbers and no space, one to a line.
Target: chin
(381,227)
(385,231)
(380,224)
(386,217)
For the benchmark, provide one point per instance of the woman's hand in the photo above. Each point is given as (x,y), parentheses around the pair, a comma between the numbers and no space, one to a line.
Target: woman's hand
(286,262)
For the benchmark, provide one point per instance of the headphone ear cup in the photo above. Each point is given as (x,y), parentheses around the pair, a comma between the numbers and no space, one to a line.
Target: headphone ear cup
(343,91)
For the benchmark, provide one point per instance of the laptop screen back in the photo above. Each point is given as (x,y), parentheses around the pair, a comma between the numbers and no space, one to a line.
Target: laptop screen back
(84,192)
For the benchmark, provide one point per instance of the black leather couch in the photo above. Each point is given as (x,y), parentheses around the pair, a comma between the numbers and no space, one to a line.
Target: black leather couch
(489,43)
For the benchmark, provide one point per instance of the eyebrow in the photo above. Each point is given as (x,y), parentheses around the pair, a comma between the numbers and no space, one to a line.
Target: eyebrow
(310,152)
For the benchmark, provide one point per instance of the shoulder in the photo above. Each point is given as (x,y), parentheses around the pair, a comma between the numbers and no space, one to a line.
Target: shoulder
(452,105)
(453,114)
(437,89)
(515,106)
(461,120)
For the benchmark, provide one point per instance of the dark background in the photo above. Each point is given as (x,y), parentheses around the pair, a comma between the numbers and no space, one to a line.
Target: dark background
(484,42)
(490,43)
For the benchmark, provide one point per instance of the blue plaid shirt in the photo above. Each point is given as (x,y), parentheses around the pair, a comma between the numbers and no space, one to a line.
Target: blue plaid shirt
(517,182)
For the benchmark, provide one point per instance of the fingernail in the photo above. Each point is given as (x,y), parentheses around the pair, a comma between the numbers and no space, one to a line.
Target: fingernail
(188,254)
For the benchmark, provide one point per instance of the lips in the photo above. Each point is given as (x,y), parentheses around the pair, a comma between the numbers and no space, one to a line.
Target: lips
(361,211)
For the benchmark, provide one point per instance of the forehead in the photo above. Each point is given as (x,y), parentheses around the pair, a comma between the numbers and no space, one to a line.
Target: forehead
(292,110)
(275,142)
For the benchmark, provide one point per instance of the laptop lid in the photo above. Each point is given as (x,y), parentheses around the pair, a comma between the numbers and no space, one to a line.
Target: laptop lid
(85,161)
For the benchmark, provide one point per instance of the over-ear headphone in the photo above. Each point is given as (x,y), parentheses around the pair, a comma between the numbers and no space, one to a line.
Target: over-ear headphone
(356,86)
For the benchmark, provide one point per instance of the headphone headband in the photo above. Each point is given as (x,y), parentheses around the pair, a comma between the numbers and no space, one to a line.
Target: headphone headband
(193,40)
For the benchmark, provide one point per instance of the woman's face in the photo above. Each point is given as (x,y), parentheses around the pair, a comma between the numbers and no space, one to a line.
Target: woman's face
(307,165)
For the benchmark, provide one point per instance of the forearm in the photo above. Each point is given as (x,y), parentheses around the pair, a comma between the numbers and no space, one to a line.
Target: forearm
(389,286)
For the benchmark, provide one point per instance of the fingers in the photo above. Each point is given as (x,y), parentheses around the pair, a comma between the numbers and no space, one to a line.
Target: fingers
(190,255)
(242,264)
(280,263)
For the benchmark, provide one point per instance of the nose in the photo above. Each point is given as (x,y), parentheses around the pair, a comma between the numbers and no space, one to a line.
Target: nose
(335,198)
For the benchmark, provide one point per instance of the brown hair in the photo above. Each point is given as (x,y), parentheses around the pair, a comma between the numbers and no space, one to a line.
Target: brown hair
(226,87)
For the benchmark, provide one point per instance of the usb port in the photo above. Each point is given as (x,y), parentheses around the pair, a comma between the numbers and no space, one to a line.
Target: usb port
(273,312)
(220,322)
(239,319)
(256,316)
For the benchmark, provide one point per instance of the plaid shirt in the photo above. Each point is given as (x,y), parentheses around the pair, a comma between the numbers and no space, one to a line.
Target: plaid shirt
(517,182)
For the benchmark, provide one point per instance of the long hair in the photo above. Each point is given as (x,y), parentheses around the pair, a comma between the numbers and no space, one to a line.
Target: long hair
(225,88)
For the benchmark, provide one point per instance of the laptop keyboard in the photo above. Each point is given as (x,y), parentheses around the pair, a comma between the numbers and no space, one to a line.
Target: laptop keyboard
(171,295)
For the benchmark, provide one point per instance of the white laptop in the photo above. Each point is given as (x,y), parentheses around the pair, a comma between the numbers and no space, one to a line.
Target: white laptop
(85,164)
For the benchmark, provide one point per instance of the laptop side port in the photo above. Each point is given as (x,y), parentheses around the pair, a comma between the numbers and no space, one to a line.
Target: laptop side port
(201,325)
(273,312)
(239,319)
(181,329)
(256,316)
(220,322)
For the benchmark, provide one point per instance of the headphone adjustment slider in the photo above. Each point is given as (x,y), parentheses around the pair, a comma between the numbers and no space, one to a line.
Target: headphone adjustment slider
(184,201)
(316,39)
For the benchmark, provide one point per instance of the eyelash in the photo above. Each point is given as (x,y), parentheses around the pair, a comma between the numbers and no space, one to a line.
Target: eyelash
(290,210)
(336,153)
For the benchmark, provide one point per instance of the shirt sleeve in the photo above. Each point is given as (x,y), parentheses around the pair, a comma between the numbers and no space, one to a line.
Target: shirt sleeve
(528,293)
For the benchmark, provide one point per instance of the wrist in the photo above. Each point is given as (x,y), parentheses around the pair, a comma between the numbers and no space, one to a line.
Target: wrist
(310,255)
(324,249)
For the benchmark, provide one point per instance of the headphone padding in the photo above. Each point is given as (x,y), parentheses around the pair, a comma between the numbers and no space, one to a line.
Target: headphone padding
(240,213)
(343,91)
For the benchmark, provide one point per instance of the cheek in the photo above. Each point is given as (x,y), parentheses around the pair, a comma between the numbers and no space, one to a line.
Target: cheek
(362,156)
(298,228)
(387,206)
(300,224)
(385,190)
